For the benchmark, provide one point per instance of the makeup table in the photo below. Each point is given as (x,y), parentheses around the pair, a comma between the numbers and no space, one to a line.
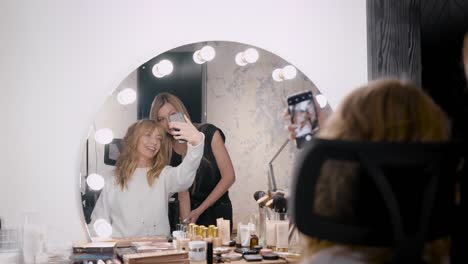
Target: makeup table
(243,261)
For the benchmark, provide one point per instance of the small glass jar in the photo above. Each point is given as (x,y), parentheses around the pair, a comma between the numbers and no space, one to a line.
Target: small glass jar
(253,241)
(197,250)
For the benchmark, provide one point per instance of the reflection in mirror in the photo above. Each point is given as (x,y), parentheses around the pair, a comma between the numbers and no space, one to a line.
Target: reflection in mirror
(240,89)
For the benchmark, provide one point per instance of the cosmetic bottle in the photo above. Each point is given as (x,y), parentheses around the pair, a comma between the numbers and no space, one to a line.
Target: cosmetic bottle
(216,239)
(282,234)
(253,241)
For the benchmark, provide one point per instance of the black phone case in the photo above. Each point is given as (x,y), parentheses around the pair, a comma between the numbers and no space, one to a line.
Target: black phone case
(295,99)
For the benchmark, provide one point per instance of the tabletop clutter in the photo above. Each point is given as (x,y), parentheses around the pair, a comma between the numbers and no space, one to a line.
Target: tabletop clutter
(265,237)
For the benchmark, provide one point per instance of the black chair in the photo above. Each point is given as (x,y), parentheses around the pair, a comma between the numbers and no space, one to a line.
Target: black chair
(112,151)
(402,196)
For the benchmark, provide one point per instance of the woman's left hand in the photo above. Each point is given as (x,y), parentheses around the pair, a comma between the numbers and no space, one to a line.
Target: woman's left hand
(193,216)
(186,131)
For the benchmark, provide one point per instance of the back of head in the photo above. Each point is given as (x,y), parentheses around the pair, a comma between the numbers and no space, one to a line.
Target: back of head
(382,111)
(387,110)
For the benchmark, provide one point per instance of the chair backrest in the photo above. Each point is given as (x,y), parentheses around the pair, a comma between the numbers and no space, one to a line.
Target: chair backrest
(112,151)
(399,194)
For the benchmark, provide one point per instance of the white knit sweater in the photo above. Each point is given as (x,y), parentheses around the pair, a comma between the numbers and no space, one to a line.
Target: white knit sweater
(142,210)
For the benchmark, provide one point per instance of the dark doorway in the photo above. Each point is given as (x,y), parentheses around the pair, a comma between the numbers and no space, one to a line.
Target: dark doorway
(186,82)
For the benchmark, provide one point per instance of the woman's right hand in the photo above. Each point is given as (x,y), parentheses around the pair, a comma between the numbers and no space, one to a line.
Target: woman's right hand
(186,131)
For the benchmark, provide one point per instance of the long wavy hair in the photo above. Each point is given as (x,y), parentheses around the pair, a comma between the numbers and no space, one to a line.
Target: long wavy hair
(163,98)
(158,102)
(383,110)
(128,159)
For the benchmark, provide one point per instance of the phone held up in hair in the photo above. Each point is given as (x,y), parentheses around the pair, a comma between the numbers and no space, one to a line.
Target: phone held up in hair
(302,109)
(177,117)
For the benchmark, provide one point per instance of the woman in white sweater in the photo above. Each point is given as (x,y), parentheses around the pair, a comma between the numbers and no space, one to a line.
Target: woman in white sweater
(135,200)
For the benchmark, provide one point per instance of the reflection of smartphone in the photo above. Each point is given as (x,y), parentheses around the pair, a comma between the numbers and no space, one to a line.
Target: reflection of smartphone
(304,116)
(177,117)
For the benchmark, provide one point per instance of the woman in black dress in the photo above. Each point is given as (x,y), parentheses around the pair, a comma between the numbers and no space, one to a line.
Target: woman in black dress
(208,198)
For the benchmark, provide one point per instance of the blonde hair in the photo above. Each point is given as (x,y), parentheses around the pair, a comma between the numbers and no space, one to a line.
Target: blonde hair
(158,102)
(387,110)
(161,99)
(128,159)
(166,98)
(383,110)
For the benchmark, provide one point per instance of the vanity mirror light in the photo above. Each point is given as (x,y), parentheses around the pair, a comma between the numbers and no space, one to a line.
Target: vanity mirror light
(239,88)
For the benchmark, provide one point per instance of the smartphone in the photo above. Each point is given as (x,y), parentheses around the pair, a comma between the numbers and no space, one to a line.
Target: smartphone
(303,111)
(177,117)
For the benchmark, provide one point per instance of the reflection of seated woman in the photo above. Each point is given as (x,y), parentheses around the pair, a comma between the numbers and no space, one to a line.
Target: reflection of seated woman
(135,201)
(389,110)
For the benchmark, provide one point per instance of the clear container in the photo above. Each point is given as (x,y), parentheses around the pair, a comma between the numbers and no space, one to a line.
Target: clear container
(261,225)
(10,240)
(34,237)
(10,246)
(276,238)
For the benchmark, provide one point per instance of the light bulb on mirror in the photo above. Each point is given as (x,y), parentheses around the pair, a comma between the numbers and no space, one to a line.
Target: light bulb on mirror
(240,59)
(321,100)
(197,58)
(277,75)
(207,53)
(126,96)
(251,55)
(156,72)
(104,136)
(163,68)
(102,228)
(289,72)
(95,181)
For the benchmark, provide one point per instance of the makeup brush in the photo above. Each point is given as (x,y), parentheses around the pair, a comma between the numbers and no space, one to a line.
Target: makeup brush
(258,195)
(280,204)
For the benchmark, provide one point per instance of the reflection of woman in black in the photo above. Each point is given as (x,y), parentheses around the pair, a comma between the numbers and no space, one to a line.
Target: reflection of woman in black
(208,198)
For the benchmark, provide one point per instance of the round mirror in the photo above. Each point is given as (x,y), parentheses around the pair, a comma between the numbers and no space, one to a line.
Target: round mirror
(243,92)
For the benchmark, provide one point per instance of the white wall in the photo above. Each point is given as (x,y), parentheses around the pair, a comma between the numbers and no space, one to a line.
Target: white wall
(60,59)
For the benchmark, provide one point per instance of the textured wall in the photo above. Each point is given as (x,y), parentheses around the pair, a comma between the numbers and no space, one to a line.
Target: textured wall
(247,104)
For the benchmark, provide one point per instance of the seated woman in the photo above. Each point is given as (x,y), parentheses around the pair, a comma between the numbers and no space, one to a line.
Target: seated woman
(135,200)
(384,110)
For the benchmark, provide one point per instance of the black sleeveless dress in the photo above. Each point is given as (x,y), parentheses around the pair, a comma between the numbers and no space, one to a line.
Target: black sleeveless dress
(208,176)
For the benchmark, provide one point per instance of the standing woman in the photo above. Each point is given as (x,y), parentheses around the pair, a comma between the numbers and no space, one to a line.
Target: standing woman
(207,199)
